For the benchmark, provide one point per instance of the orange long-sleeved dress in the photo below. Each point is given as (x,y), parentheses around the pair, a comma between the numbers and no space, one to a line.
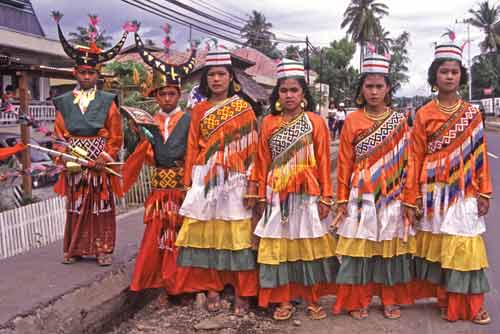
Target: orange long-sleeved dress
(296,253)
(371,169)
(215,238)
(91,221)
(449,169)
(155,265)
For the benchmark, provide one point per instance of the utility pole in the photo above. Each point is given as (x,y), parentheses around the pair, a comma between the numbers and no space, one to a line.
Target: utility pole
(469,59)
(25,133)
(307,59)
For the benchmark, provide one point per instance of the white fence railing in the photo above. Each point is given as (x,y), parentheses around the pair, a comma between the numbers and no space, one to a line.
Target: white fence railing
(31,226)
(36,112)
(41,223)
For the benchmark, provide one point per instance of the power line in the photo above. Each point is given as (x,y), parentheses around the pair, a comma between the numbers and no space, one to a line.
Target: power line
(162,14)
(220,10)
(184,15)
(202,14)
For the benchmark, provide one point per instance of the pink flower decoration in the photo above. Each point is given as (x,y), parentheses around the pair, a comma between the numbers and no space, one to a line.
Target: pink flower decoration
(94,20)
(167,42)
(56,16)
(131,26)
(167,28)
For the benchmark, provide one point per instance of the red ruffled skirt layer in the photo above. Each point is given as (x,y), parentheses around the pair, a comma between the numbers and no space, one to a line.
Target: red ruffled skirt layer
(459,306)
(191,279)
(289,292)
(155,266)
(352,297)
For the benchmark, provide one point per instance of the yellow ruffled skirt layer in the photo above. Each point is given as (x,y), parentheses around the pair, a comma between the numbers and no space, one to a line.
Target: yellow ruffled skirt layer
(274,251)
(368,248)
(215,234)
(453,252)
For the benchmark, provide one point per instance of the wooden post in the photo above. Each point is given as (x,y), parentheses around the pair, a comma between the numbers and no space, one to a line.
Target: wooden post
(25,132)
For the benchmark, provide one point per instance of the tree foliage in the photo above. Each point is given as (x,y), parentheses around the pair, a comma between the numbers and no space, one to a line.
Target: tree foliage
(81,37)
(486,74)
(362,19)
(258,35)
(486,17)
(399,61)
(335,70)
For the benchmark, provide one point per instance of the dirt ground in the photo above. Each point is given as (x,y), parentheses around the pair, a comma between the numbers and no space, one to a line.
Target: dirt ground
(162,317)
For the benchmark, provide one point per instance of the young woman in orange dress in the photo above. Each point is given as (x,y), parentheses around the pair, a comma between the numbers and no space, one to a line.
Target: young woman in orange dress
(293,190)
(449,182)
(371,169)
(215,240)
(163,150)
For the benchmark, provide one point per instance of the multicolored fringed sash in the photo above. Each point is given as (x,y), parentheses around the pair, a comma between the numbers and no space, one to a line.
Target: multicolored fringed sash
(167,178)
(455,155)
(230,130)
(218,115)
(292,152)
(381,160)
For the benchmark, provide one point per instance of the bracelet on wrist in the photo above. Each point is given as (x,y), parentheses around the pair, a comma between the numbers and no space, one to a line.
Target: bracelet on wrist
(250,196)
(327,202)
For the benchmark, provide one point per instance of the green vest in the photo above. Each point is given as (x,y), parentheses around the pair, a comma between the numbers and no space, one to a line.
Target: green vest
(166,154)
(85,124)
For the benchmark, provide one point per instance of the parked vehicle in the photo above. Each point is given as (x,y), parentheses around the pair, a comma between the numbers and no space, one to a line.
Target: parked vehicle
(39,160)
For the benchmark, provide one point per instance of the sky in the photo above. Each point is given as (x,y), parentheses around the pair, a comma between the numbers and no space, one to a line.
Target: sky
(425,20)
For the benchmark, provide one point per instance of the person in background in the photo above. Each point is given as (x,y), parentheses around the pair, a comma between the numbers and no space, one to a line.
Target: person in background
(332,118)
(340,118)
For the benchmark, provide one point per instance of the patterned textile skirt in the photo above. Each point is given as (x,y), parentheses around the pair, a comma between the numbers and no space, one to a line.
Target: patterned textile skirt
(214,241)
(296,252)
(91,221)
(155,265)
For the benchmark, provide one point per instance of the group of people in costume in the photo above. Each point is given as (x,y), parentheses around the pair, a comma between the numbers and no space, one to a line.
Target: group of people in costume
(247,203)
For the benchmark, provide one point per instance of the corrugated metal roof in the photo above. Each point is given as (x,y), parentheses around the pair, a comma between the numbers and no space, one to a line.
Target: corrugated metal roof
(24,41)
(19,15)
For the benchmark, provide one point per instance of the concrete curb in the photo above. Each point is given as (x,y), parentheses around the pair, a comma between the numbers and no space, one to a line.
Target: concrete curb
(85,304)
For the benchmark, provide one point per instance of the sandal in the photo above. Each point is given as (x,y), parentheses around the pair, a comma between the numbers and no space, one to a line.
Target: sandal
(316,312)
(482,317)
(392,312)
(104,260)
(284,312)
(360,314)
(213,302)
(70,259)
(241,307)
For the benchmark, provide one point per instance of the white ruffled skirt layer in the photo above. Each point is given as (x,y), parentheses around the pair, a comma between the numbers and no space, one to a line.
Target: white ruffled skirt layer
(224,201)
(302,221)
(368,223)
(460,218)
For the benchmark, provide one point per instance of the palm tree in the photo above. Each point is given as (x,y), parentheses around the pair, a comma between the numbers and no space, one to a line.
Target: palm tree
(257,33)
(363,18)
(486,17)
(383,41)
(81,37)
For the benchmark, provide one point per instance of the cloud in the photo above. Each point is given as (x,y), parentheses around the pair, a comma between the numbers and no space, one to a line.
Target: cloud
(320,20)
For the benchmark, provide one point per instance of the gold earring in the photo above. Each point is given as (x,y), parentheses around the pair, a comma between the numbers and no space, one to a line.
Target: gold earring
(278,107)
(303,104)
(236,86)
(360,100)
(434,89)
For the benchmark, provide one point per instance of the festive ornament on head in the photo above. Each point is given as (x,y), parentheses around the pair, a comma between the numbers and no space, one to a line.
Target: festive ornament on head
(374,63)
(289,68)
(218,55)
(448,48)
(164,74)
(88,55)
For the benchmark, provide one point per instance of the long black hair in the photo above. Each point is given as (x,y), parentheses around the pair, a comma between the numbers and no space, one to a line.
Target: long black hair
(362,78)
(433,69)
(205,90)
(311,105)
